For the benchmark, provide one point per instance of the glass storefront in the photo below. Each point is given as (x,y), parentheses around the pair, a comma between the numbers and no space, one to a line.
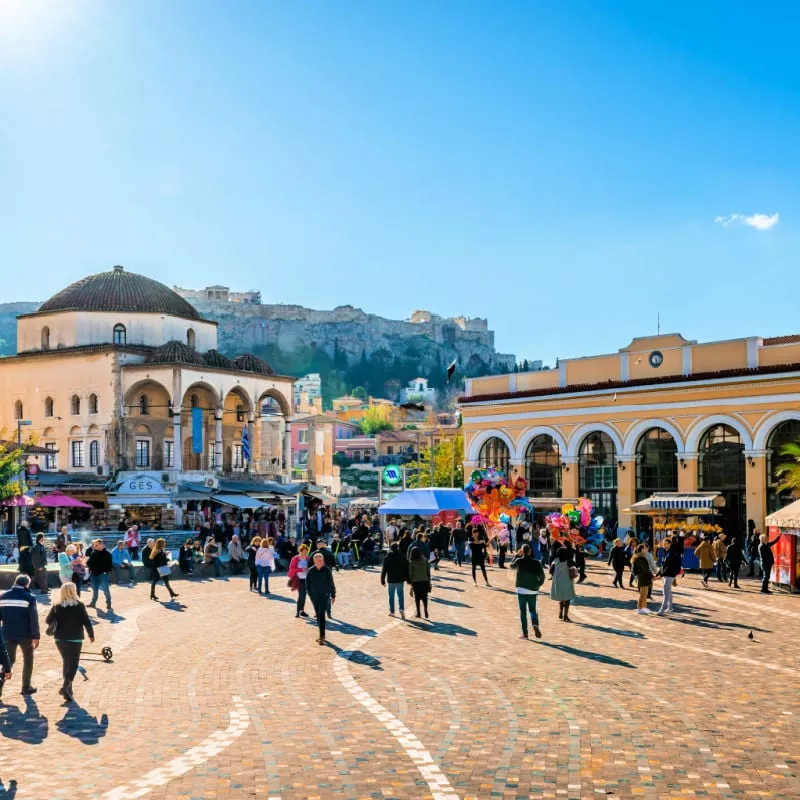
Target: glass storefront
(721,466)
(597,475)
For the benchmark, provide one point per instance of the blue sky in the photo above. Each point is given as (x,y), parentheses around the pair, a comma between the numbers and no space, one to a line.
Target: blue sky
(567,169)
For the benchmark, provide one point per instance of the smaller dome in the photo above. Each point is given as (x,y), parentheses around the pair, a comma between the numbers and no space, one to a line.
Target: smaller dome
(214,358)
(250,363)
(175,352)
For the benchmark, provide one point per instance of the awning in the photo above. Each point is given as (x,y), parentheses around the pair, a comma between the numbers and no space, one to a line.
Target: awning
(139,500)
(326,499)
(428,502)
(685,504)
(241,501)
(786,517)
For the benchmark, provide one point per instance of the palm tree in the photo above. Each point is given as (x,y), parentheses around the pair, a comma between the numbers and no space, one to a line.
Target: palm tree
(789,472)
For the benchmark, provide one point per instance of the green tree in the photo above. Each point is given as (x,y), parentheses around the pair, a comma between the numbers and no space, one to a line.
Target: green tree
(360,392)
(789,472)
(10,456)
(375,420)
(448,465)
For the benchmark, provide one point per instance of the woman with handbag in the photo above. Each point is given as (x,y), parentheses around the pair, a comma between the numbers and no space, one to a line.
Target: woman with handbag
(561,587)
(640,567)
(419,576)
(160,569)
(298,570)
(66,621)
(265,563)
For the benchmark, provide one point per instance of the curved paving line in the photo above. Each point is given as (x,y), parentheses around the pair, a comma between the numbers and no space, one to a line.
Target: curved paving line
(210,747)
(413,747)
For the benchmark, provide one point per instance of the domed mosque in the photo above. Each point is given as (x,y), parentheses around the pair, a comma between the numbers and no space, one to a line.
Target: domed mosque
(119,374)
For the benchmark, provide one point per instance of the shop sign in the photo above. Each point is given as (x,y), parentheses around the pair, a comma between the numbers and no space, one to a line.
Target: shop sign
(392,475)
(32,474)
(141,484)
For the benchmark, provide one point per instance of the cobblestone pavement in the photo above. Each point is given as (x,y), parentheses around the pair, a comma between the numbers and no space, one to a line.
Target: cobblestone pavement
(229,696)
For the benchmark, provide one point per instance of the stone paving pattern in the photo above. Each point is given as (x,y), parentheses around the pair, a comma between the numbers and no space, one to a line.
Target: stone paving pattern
(227,695)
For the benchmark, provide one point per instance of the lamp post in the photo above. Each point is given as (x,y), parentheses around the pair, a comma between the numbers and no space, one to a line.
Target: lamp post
(20,423)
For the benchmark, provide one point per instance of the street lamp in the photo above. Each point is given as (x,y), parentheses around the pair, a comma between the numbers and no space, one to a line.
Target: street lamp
(20,423)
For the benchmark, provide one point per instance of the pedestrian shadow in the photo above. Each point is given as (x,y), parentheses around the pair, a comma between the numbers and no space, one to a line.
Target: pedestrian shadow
(443,628)
(454,603)
(348,628)
(113,618)
(357,657)
(81,725)
(701,623)
(449,588)
(443,578)
(600,657)
(172,605)
(501,591)
(28,726)
(588,601)
(8,792)
(615,631)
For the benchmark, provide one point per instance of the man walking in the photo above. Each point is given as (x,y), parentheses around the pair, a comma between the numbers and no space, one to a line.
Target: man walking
(100,565)
(530,577)
(321,591)
(459,539)
(20,626)
(395,570)
(39,562)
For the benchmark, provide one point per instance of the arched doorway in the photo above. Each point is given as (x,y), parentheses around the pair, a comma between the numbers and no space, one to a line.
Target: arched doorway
(235,415)
(721,466)
(199,404)
(597,475)
(656,469)
(543,467)
(494,453)
(786,433)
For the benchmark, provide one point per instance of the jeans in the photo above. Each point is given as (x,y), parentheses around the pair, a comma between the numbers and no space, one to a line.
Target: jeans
(396,589)
(26,645)
(460,553)
(501,559)
(765,578)
(344,559)
(722,572)
(70,658)
(133,552)
(118,572)
(733,574)
(666,603)
(99,582)
(263,575)
(77,579)
(706,574)
(527,602)
(217,567)
(618,576)
(301,596)
(321,604)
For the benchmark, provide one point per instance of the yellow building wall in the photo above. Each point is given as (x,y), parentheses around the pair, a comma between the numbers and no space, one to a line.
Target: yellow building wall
(639,363)
(593,370)
(542,379)
(719,356)
(493,384)
(779,354)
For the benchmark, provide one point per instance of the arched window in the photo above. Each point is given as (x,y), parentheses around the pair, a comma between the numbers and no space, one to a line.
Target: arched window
(543,467)
(92,403)
(597,474)
(240,413)
(721,466)
(190,338)
(45,338)
(656,463)
(120,335)
(144,405)
(494,453)
(75,405)
(786,433)
(18,410)
(48,406)
(94,453)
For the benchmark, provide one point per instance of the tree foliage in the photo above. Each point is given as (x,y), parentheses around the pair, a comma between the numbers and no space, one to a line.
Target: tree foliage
(10,457)
(375,420)
(789,471)
(448,465)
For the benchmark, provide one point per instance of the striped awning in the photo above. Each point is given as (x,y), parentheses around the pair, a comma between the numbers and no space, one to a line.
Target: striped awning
(787,517)
(682,502)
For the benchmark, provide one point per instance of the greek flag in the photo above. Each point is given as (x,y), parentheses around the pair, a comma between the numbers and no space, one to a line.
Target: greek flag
(245,444)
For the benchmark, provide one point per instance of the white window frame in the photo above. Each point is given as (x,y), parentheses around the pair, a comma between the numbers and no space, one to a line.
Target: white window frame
(169,453)
(149,449)
(237,457)
(94,457)
(77,447)
(51,459)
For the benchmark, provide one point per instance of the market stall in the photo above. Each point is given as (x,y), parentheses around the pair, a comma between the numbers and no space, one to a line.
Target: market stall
(786,524)
(144,500)
(689,515)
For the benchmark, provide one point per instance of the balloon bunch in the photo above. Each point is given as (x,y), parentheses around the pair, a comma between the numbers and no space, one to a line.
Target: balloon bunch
(494,498)
(578,525)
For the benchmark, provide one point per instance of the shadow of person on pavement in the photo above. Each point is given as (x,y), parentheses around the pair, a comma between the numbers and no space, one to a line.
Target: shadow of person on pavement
(616,631)
(81,725)
(357,657)
(28,726)
(448,588)
(575,651)
(443,628)
(628,602)
(8,792)
(351,630)
(444,602)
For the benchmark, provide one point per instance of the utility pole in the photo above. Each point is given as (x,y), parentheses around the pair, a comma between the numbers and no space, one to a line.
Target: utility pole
(431,457)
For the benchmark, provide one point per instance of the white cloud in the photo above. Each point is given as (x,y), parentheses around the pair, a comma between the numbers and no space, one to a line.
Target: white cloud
(761,222)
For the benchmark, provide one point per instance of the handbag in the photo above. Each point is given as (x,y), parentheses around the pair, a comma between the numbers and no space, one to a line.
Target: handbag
(164,571)
(50,630)
(573,573)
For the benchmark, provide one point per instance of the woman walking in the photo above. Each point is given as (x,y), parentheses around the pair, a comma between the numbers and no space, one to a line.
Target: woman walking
(477,548)
(298,569)
(561,587)
(705,555)
(65,564)
(265,563)
(617,559)
(530,577)
(252,549)
(78,567)
(640,568)
(419,576)
(670,570)
(68,619)
(160,569)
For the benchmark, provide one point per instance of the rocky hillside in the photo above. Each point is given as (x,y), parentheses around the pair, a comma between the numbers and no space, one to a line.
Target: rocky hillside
(8,324)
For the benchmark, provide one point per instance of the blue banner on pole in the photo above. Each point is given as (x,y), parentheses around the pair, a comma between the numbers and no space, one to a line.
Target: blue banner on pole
(197,430)
(245,444)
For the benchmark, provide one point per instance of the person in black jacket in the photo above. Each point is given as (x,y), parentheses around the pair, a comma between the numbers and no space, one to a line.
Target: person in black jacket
(20,625)
(321,591)
(100,565)
(5,663)
(24,538)
(618,559)
(186,558)
(39,563)
(733,558)
(767,559)
(158,561)
(670,569)
(70,619)
(395,571)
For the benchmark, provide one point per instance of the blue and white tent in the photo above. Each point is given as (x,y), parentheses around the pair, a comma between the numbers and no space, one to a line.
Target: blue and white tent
(427,502)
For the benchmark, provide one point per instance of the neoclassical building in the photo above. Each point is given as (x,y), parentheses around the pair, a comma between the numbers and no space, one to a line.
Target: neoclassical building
(117,372)
(662,414)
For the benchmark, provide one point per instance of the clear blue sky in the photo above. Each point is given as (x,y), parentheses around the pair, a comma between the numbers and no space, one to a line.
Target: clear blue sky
(557,167)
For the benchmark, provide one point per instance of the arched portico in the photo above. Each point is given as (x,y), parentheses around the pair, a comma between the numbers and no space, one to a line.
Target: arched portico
(200,406)
(636,431)
(576,440)
(702,425)
(768,425)
(481,438)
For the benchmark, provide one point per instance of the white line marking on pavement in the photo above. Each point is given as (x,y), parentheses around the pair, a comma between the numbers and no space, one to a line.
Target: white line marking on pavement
(434,777)
(194,757)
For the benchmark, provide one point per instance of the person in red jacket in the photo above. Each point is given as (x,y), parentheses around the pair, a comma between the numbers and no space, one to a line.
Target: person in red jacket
(298,569)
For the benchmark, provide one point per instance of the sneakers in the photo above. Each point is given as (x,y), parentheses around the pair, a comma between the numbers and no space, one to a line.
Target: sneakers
(642,611)
(303,614)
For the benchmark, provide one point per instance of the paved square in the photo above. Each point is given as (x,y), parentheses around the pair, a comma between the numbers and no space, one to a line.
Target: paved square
(229,696)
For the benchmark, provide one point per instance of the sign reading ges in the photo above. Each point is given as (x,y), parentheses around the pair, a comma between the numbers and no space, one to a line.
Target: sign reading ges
(392,475)
(141,485)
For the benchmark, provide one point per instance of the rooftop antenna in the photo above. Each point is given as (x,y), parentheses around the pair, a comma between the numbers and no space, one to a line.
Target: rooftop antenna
(658,322)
